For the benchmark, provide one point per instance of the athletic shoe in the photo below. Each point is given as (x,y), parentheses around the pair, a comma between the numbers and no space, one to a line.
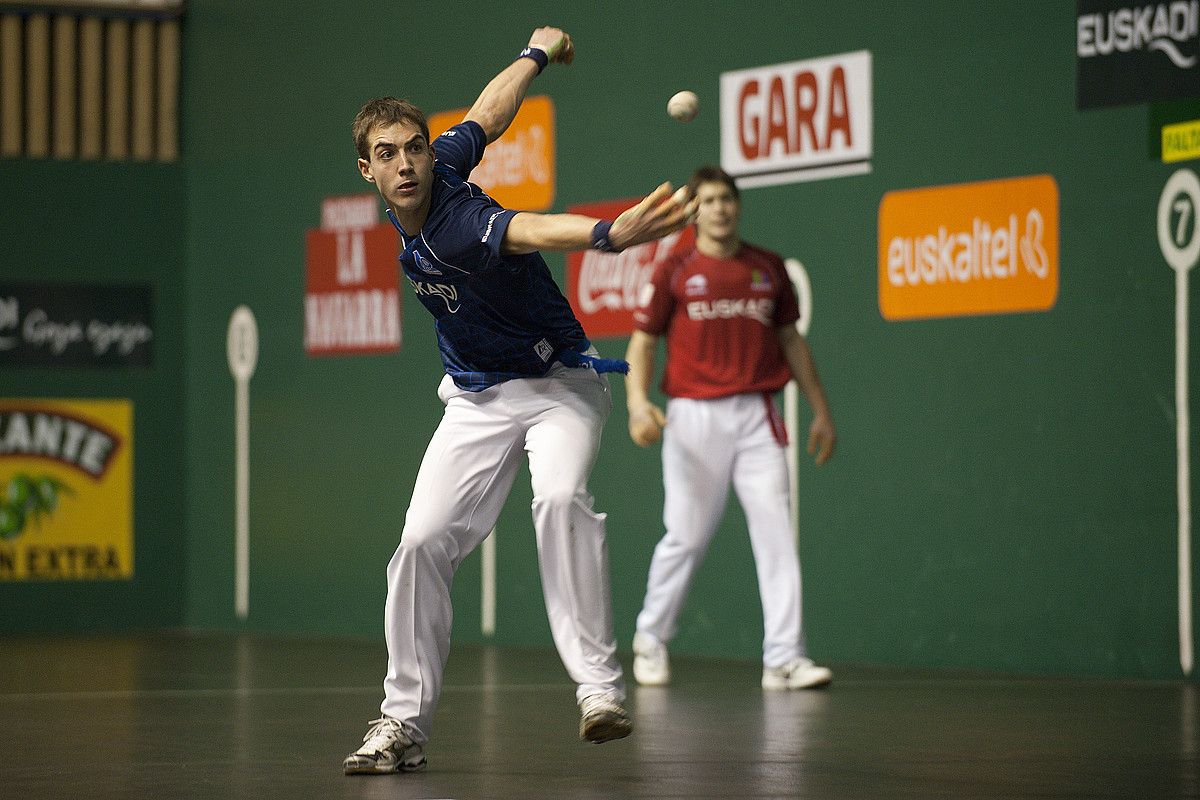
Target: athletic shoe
(650,664)
(799,673)
(386,748)
(603,719)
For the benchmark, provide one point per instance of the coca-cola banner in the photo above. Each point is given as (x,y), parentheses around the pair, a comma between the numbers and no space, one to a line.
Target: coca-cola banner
(603,287)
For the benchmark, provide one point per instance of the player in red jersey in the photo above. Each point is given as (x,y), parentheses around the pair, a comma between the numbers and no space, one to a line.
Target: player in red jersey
(728,311)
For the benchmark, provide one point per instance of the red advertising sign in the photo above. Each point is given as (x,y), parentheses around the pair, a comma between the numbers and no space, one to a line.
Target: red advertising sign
(352,298)
(603,288)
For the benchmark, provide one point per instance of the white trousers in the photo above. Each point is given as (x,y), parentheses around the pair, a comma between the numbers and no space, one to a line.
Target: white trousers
(708,444)
(460,489)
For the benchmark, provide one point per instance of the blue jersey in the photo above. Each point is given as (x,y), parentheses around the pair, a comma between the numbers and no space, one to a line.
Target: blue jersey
(497,316)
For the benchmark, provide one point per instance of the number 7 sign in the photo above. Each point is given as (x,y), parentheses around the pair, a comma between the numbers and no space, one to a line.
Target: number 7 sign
(1180,246)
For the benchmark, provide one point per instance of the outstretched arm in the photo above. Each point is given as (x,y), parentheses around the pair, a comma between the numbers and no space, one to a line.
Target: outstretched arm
(821,435)
(500,100)
(660,213)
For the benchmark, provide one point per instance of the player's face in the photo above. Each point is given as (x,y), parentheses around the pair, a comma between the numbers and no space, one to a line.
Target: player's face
(718,212)
(401,166)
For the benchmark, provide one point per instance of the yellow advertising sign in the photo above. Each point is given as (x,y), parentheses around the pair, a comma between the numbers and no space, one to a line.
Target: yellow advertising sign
(1181,141)
(66,489)
(970,248)
(517,169)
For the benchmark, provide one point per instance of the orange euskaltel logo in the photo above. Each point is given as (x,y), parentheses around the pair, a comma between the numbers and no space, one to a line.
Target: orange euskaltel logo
(517,170)
(970,248)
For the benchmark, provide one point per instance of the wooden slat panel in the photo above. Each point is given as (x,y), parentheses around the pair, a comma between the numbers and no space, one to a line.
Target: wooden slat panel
(37,86)
(12,120)
(174,7)
(116,68)
(168,90)
(91,87)
(143,89)
(66,129)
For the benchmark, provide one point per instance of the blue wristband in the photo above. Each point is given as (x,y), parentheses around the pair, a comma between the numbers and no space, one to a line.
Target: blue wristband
(538,55)
(600,240)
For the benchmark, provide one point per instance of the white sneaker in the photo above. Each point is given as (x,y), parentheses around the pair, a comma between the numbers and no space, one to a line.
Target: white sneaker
(386,748)
(650,664)
(602,719)
(799,673)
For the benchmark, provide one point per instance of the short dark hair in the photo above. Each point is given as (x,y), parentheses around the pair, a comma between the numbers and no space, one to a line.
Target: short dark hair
(710,173)
(385,111)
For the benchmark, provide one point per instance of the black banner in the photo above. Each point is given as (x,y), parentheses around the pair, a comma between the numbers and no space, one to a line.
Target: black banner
(76,325)
(1130,52)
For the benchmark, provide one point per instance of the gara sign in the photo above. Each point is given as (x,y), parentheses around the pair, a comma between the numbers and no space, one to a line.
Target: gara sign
(804,120)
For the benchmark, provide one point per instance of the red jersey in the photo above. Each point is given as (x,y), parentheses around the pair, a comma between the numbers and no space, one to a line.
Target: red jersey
(720,318)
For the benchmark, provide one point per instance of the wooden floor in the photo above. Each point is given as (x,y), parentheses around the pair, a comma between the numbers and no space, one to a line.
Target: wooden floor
(179,716)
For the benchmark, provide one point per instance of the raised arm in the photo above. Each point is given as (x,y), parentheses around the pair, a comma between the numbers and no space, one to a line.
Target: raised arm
(500,100)
(821,434)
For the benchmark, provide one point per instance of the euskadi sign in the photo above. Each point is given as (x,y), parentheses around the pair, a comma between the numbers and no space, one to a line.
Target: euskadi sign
(1136,52)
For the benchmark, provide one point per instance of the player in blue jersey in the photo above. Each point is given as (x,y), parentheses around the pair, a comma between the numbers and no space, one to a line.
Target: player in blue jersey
(520,376)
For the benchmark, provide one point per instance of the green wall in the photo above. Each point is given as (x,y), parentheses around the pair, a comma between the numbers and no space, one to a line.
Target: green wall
(1004,492)
(119,224)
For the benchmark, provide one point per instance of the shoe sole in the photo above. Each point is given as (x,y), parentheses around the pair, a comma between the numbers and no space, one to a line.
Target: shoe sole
(371,769)
(647,675)
(785,686)
(605,729)
(650,677)
(652,683)
(651,680)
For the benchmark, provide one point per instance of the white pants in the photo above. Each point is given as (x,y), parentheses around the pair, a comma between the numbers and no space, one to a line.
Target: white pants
(461,487)
(707,444)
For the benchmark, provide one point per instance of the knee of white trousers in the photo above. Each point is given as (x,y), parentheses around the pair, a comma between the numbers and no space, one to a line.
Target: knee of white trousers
(570,506)
(689,543)
(411,557)
(432,539)
(418,557)
(560,498)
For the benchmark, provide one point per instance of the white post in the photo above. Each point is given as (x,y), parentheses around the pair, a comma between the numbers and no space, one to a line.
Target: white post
(791,422)
(791,392)
(1184,474)
(242,348)
(487,601)
(1181,196)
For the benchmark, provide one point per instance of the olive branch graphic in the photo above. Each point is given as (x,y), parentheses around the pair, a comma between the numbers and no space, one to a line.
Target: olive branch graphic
(28,498)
